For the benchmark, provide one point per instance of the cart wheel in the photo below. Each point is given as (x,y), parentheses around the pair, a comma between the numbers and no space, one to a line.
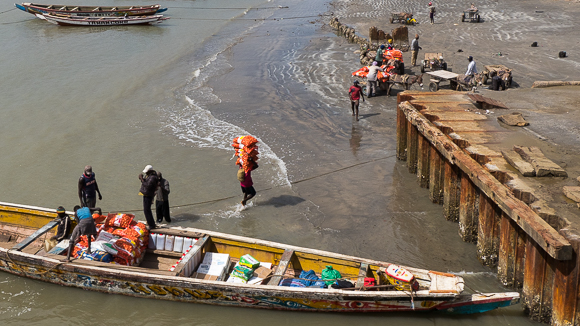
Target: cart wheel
(463,18)
(508,83)
(423,68)
(433,87)
(392,20)
(453,84)
(484,79)
(478,18)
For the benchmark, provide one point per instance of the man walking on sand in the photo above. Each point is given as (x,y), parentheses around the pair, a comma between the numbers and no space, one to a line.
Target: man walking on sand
(431,13)
(415,49)
(355,93)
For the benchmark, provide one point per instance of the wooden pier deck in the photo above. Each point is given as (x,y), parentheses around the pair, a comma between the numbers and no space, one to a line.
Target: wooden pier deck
(455,150)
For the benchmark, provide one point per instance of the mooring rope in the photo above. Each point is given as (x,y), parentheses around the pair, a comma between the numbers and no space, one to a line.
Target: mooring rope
(256,19)
(269,188)
(3,12)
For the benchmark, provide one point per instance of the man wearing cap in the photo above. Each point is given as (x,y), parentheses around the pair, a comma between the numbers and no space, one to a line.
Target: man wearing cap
(355,93)
(149,183)
(415,49)
(372,78)
(63,230)
(431,13)
(88,188)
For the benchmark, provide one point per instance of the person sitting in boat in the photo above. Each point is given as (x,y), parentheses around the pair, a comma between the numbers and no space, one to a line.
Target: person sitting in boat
(64,224)
(86,227)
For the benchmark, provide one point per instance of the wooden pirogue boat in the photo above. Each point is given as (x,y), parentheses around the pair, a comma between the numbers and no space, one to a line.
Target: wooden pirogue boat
(70,20)
(24,228)
(92,11)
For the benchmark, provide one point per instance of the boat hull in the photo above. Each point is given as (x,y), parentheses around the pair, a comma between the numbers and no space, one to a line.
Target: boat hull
(86,11)
(103,21)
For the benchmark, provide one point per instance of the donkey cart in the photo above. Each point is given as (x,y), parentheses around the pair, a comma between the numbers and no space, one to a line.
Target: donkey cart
(433,61)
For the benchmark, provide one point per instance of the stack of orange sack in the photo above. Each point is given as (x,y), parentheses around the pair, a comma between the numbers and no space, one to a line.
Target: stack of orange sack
(393,54)
(381,76)
(118,235)
(246,151)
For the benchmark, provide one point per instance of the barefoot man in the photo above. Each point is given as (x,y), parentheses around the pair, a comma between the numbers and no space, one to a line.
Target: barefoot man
(355,93)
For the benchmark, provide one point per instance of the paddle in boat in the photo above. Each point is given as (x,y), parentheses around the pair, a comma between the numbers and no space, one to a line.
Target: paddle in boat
(93,11)
(71,20)
(199,266)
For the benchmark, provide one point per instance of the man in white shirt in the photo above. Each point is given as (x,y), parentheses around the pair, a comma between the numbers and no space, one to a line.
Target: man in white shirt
(372,78)
(471,69)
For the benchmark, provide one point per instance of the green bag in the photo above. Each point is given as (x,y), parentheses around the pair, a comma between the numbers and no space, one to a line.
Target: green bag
(330,275)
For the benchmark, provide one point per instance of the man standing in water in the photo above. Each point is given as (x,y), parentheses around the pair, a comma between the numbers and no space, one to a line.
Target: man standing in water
(162,200)
(355,93)
(88,188)
(247,184)
(149,182)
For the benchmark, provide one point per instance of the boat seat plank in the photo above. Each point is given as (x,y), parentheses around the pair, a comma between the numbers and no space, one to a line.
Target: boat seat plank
(363,272)
(177,232)
(21,245)
(282,267)
(165,253)
(195,254)
(109,265)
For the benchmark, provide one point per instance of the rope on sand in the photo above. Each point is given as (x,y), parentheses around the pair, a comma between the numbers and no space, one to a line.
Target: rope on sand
(270,188)
(543,84)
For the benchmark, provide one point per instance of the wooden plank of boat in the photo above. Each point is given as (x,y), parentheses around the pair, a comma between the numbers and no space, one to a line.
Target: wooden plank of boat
(35,8)
(21,245)
(282,267)
(193,252)
(438,291)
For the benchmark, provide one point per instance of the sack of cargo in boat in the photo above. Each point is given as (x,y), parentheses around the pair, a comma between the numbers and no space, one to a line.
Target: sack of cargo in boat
(126,244)
(108,247)
(49,244)
(400,277)
(96,255)
(342,284)
(292,283)
(249,261)
(99,219)
(140,228)
(242,272)
(314,279)
(329,275)
(119,220)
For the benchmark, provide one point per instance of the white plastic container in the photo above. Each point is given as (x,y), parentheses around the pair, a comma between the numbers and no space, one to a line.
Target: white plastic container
(169,240)
(178,244)
(152,241)
(187,242)
(160,244)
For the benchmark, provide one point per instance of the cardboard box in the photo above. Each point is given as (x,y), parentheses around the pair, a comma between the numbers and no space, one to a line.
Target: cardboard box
(262,272)
(206,277)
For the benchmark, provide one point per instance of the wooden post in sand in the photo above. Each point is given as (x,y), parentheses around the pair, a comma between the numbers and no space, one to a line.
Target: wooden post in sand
(401,135)
(423,152)
(451,192)
(533,279)
(412,144)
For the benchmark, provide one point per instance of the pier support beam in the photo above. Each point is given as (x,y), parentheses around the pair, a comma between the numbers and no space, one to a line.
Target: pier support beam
(488,232)
(565,309)
(412,146)
(436,176)
(533,279)
(468,210)
(401,135)
(512,250)
(423,153)
(451,192)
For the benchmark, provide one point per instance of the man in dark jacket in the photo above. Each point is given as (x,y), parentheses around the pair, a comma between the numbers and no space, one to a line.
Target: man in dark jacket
(149,182)
(64,225)
(88,188)
(162,200)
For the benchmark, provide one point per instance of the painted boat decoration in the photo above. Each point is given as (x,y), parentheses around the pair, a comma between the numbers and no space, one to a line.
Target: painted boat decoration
(23,230)
(92,11)
(70,20)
